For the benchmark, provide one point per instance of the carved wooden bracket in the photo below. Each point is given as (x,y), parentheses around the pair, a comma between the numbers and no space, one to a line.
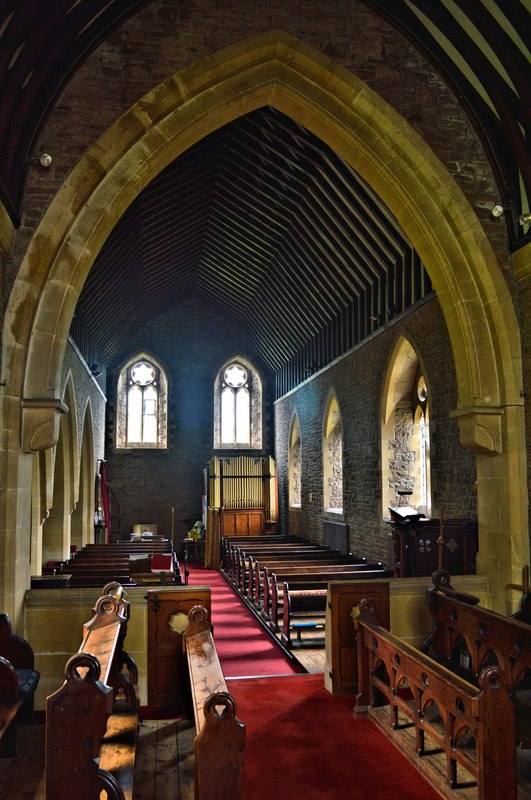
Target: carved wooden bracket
(40,423)
(480,428)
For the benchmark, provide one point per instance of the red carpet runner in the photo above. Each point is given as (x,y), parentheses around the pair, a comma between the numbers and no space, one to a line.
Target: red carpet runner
(302,742)
(243,647)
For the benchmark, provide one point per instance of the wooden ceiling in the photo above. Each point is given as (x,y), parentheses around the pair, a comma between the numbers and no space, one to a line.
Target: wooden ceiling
(299,234)
(266,224)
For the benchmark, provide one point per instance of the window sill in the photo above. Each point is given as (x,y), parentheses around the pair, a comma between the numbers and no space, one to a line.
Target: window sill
(139,449)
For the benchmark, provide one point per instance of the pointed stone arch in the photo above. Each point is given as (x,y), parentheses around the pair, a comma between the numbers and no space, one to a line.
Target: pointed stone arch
(83,514)
(70,419)
(282,71)
(256,401)
(332,455)
(400,422)
(295,462)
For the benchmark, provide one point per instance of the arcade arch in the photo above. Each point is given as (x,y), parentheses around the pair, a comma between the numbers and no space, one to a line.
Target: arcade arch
(276,69)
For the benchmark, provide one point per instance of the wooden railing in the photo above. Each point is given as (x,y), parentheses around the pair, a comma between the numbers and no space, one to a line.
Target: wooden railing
(472,726)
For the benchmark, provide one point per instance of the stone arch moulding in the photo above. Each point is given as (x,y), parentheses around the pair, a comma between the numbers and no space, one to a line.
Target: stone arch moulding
(277,69)
(69,398)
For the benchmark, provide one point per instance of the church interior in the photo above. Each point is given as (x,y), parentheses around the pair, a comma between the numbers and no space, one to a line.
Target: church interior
(266,273)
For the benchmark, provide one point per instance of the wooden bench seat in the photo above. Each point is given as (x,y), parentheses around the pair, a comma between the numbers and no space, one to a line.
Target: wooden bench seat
(273,585)
(250,571)
(91,720)
(232,550)
(250,567)
(94,581)
(89,566)
(467,637)
(301,626)
(242,562)
(303,608)
(469,726)
(18,681)
(220,735)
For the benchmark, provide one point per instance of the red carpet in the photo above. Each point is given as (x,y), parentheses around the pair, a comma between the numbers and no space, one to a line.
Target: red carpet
(304,744)
(243,647)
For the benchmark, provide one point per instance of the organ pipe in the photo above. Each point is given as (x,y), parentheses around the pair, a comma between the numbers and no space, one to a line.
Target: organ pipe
(243,482)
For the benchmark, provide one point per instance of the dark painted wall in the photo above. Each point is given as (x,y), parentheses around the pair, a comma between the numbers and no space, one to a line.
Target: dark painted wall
(191,342)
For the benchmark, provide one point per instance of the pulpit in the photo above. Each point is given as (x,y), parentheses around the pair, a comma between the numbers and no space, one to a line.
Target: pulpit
(421,546)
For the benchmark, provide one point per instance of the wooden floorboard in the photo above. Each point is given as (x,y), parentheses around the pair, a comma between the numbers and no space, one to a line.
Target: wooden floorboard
(22,777)
(164,768)
(433,766)
(165,765)
(313,659)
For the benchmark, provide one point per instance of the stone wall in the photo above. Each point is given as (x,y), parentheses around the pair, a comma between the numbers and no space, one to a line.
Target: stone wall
(86,390)
(168,35)
(191,342)
(154,44)
(357,380)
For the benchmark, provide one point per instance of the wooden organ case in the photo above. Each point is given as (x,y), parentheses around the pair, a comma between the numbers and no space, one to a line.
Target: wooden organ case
(243,489)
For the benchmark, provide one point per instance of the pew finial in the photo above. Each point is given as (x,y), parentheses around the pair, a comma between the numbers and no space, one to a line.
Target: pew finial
(368,611)
(198,614)
(441,579)
(217,701)
(87,662)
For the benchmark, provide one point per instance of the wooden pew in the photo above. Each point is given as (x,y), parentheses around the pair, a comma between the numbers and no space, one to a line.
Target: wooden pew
(250,568)
(220,735)
(233,547)
(18,682)
(243,541)
(96,564)
(470,725)
(303,608)
(466,638)
(300,601)
(273,583)
(241,560)
(91,721)
(258,590)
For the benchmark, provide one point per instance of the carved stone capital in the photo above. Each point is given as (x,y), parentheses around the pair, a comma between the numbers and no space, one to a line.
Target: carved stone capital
(40,423)
(480,428)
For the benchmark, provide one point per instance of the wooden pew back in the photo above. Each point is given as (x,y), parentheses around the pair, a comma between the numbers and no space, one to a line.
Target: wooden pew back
(77,714)
(220,735)
(273,584)
(458,620)
(18,681)
(392,672)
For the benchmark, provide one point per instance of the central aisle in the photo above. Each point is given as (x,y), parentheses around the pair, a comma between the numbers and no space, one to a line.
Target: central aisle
(244,648)
(302,742)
